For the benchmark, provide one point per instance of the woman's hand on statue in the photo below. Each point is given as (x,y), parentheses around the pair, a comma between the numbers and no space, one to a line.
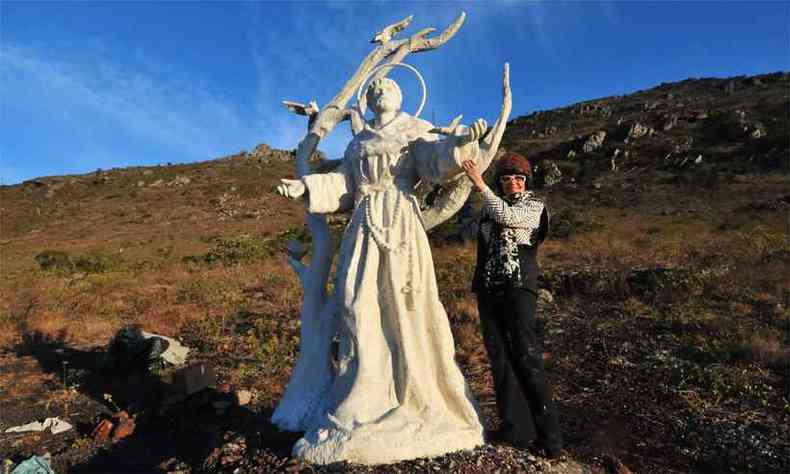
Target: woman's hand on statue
(291,188)
(473,173)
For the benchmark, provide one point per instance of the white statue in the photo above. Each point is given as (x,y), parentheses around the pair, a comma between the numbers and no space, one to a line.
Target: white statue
(394,391)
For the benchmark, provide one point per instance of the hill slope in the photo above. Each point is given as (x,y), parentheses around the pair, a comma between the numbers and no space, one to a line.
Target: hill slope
(665,319)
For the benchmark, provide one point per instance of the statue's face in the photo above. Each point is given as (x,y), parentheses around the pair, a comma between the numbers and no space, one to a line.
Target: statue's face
(383,96)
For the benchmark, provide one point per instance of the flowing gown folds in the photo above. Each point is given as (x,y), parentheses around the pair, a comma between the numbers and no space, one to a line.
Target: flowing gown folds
(397,392)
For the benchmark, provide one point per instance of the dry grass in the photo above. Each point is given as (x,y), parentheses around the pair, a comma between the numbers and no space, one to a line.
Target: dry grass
(239,308)
(767,347)
(163,293)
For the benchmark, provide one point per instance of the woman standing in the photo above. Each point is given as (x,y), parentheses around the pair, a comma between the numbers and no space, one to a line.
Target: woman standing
(511,229)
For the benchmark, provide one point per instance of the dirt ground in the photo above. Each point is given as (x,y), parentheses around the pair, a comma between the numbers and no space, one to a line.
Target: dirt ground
(614,409)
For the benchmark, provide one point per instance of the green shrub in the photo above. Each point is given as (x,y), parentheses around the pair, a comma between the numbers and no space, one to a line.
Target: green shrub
(99,262)
(95,261)
(291,233)
(238,248)
(54,260)
(719,380)
(235,249)
(563,224)
(246,247)
(209,291)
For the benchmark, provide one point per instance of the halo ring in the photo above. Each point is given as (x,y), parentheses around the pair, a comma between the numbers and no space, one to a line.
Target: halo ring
(407,66)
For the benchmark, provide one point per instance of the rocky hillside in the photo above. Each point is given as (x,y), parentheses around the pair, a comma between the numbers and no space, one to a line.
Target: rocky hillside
(663,302)
(735,125)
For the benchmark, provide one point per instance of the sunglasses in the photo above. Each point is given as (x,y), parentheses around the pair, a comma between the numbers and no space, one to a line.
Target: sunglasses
(512,177)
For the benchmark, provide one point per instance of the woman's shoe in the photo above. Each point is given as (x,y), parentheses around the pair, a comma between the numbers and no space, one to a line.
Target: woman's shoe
(550,452)
(555,453)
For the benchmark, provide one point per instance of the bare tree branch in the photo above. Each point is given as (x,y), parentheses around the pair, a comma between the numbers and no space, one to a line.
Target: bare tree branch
(299,108)
(490,144)
(418,43)
(455,193)
(390,31)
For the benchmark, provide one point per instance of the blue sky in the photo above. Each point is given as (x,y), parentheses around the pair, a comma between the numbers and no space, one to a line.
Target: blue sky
(89,85)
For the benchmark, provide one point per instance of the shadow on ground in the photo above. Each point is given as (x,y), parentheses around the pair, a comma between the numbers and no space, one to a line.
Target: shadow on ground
(189,435)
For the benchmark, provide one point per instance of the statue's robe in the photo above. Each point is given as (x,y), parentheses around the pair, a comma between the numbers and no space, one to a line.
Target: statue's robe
(397,392)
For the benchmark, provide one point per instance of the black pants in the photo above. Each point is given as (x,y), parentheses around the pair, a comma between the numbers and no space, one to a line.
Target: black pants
(508,322)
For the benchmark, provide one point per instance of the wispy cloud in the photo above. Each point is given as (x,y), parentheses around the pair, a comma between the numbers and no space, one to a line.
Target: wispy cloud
(310,63)
(537,20)
(102,102)
(170,111)
(108,104)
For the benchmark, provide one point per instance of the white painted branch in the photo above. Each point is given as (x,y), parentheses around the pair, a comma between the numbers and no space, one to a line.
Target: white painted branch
(299,108)
(454,194)
(388,32)
(490,144)
(419,42)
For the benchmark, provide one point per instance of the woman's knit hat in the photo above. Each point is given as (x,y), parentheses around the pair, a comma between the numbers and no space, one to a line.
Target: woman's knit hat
(513,163)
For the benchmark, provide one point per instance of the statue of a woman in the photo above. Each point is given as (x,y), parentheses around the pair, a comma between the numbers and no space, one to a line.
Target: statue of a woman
(397,392)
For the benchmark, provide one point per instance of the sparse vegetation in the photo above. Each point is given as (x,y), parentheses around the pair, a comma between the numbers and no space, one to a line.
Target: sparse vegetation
(54,260)
(99,262)
(95,261)
(665,288)
(244,248)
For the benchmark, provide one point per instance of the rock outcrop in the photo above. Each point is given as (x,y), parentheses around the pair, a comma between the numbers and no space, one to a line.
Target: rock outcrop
(594,141)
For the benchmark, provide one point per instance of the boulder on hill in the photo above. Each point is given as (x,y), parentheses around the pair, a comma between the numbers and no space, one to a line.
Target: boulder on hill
(757,130)
(650,106)
(266,154)
(730,87)
(597,109)
(548,173)
(734,126)
(638,130)
(684,144)
(179,181)
(594,141)
(671,122)
(701,115)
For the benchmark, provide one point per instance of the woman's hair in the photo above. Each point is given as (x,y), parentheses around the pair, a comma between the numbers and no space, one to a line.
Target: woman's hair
(381,84)
(512,163)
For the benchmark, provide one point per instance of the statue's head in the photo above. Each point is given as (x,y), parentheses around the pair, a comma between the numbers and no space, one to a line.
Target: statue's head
(383,94)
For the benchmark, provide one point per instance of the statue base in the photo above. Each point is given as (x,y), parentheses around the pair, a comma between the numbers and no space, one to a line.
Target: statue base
(374,446)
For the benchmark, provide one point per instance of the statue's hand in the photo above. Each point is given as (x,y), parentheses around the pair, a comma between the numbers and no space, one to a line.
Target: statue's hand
(291,188)
(449,130)
(476,131)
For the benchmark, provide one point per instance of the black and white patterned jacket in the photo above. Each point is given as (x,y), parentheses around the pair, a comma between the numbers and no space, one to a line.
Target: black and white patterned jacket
(508,238)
